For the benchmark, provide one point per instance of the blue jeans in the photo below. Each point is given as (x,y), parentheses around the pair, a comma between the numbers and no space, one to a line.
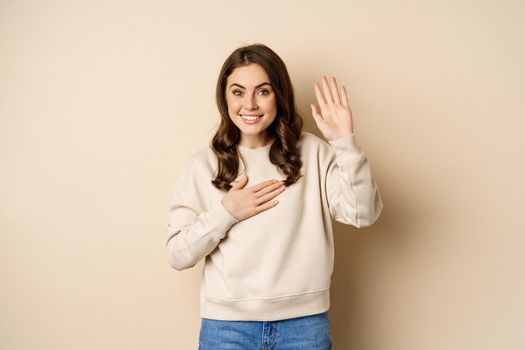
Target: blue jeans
(301,333)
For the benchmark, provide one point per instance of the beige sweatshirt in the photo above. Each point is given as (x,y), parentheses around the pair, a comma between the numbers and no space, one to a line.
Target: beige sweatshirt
(276,264)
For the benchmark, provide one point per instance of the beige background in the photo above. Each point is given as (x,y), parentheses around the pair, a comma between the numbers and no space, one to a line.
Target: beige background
(102,102)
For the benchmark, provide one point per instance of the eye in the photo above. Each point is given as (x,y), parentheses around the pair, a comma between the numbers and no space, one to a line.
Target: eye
(265,92)
(237,92)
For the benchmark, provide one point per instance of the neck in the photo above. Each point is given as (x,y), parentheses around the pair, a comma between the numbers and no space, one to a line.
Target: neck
(256,141)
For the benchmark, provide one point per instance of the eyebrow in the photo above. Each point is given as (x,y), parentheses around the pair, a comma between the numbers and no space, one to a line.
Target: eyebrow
(261,84)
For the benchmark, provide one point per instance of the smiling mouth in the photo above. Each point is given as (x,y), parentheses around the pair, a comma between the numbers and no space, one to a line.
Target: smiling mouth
(250,117)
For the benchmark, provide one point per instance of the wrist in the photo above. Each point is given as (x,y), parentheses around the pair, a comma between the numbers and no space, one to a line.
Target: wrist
(341,136)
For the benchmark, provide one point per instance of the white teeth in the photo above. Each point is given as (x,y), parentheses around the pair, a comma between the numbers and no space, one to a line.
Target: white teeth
(250,117)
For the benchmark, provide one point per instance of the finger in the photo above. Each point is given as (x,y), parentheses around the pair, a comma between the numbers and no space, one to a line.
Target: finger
(241,183)
(262,185)
(268,189)
(344,97)
(327,94)
(335,90)
(269,196)
(319,95)
(266,206)
(318,117)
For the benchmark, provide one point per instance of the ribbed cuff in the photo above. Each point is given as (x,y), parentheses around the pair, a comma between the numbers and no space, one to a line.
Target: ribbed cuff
(222,219)
(346,149)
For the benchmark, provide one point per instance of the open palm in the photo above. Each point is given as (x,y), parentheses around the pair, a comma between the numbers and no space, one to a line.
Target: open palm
(335,117)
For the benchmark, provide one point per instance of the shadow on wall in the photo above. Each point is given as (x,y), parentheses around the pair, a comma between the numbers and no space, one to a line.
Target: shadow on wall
(365,259)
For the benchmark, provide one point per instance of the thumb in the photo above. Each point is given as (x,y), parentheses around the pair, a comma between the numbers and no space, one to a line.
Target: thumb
(317,117)
(242,182)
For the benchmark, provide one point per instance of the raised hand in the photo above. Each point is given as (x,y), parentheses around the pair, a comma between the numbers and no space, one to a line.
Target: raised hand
(335,117)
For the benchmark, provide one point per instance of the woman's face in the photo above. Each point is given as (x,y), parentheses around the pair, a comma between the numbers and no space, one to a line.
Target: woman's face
(251,103)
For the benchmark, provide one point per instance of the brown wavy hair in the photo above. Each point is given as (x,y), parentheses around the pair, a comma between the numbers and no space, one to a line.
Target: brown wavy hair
(286,128)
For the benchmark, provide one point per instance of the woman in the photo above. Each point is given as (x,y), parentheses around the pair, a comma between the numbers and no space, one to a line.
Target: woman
(258,204)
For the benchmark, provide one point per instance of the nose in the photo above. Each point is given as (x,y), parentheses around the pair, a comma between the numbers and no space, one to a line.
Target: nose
(250,102)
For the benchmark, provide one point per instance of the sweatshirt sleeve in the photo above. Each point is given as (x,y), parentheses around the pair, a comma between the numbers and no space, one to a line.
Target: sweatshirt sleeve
(193,231)
(352,194)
